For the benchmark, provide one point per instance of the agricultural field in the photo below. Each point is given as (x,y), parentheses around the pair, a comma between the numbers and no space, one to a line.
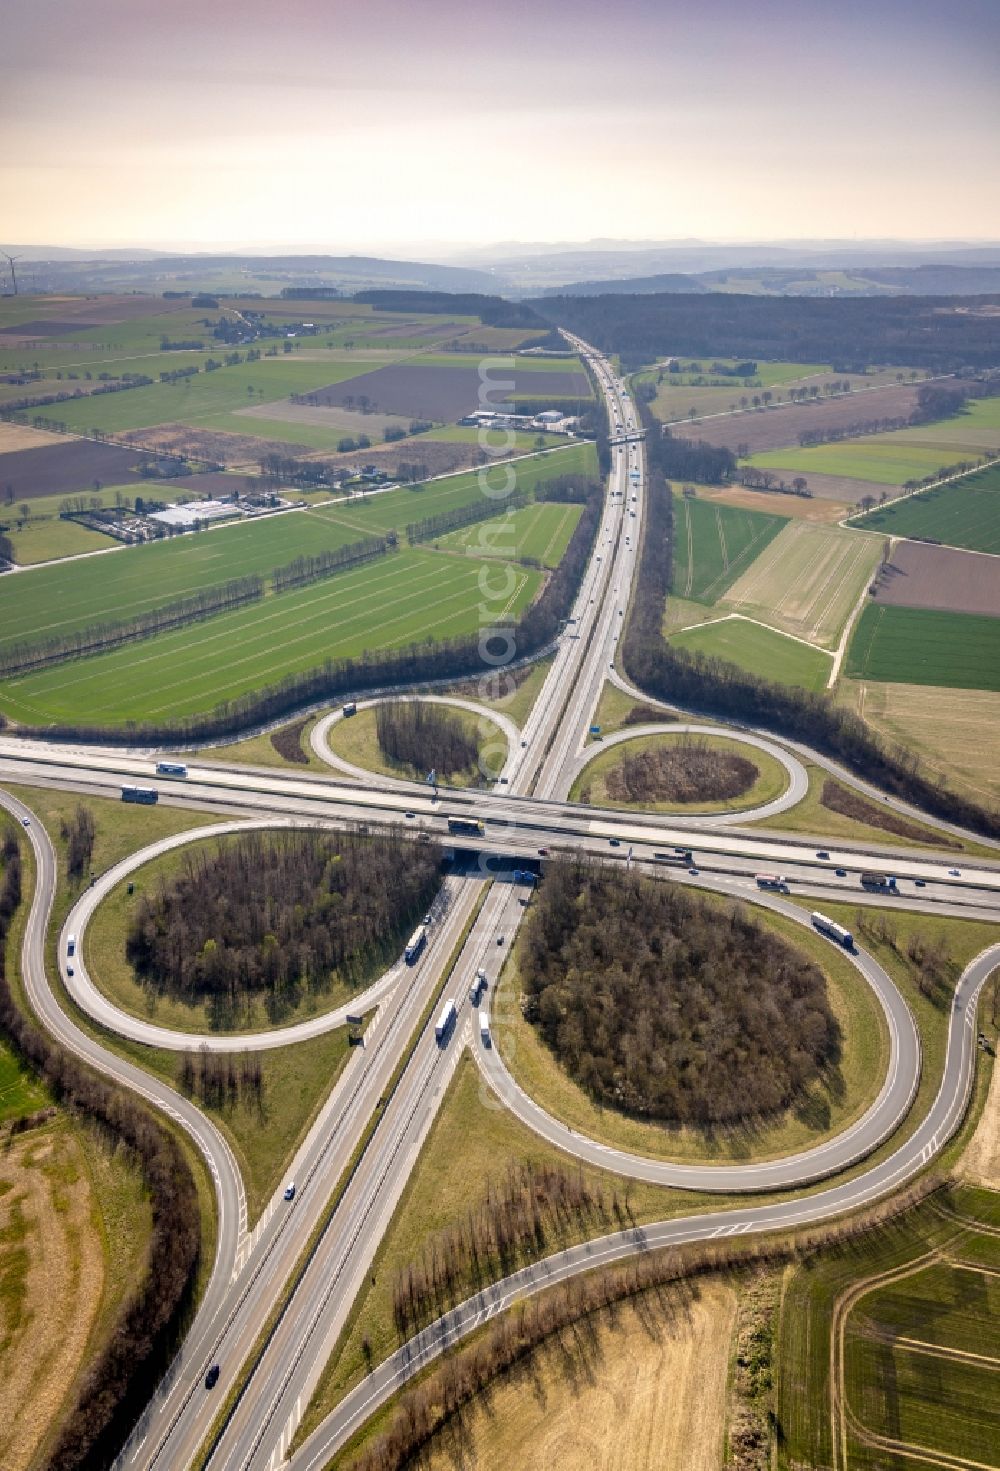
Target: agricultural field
(46,540)
(710,394)
(56,600)
(890,1346)
(780,426)
(444,393)
(714,544)
(758,650)
(61,467)
(953,732)
(902,454)
(20,1092)
(816,508)
(924,646)
(922,576)
(403,598)
(539,532)
(807,580)
(964,513)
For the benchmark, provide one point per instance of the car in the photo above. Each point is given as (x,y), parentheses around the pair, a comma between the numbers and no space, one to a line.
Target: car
(69,970)
(693,871)
(920,883)
(543,852)
(523,744)
(26,821)
(410,815)
(290,1190)
(615,842)
(428,917)
(499,939)
(212,1377)
(842,873)
(955,872)
(822,853)
(504,781)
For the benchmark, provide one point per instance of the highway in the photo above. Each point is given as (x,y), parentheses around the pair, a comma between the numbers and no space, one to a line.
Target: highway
(280,1307)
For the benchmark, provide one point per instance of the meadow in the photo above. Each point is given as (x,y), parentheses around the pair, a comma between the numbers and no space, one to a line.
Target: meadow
(540,532)
(900,455)
(807,580)
(761,651)
(924,646)
(714,544)
(405,598)
(964,513)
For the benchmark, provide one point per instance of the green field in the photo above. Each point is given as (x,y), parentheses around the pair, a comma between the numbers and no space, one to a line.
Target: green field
(900,455)
(897,1372)
(965,513)
(406,597)
(20,1092)
(46,539)
(714,544)
(204,395)
(924,646)
(540,532)
(55,600)
(758,650)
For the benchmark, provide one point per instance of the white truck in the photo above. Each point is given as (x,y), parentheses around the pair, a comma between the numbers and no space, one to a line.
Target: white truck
(484,1028)
(445,1021)
(415,944)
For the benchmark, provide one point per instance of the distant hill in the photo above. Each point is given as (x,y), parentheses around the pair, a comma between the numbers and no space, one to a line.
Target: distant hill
(630,286)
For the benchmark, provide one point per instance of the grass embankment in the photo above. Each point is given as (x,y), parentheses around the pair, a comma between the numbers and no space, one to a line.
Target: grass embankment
(511,692)
(591,786)
(837,1097)
(356,740)
(287,747)
(814,817)
(617,709)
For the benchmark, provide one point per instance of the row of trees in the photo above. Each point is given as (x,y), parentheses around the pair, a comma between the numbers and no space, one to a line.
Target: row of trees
(280,914)
(483,509)
(835,432)
(324,564)
(219,1080)
(428,662)
(687,459)
(663,1005)
(98,638)
(516,1214)
(116,1385)
(714,686)
(441,1394)
(78,833)
(425,737)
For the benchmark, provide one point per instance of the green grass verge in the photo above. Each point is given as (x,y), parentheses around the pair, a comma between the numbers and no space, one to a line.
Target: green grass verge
(760,651)
(925,646)
(48,539)
(590,786)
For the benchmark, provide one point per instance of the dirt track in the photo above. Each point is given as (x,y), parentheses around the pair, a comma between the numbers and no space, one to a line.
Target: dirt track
(923,576)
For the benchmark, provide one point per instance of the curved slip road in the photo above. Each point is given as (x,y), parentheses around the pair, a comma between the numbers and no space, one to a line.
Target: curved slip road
(807,1166)
(319,736)
(798,779)
(944,1117)
(92,1000)
(230,1196)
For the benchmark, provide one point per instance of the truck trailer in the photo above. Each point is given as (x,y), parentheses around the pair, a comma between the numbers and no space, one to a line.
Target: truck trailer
(415,944)
(148,795)
(832,930)
(171,768)
(445,1021)
(882,882)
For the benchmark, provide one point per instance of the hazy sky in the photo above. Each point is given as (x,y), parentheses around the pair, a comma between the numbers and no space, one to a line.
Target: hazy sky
(382,123)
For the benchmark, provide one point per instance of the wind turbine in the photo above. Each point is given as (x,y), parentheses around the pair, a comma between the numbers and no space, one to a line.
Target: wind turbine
(10,259)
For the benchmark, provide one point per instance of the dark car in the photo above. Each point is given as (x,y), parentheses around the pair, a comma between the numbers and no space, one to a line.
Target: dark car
(920,883)
(212,1377)
(822,853)
(842,873)
(615,842)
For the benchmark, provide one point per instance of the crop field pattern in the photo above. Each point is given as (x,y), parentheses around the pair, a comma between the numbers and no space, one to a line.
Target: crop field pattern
(445,393)
(404,598)
(964,513)
(540,532)
(924,646)
(759,650)
(922,576)
(713,544)
(807,580)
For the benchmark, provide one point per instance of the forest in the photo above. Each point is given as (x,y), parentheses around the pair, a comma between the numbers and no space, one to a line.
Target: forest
(280,914)
(688,770)
(665,1006)
(942,333)
(426,737)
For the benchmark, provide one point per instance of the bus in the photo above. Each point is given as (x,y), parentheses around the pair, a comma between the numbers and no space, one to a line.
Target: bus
(140,794)
(469,825)
(171,768)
